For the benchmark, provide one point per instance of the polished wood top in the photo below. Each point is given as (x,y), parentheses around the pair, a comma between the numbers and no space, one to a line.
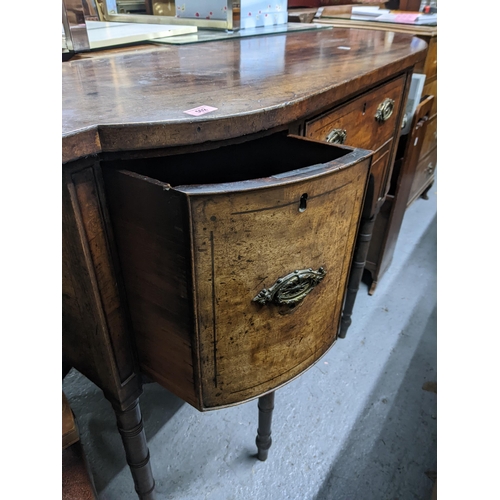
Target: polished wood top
(413,29)
(135,98)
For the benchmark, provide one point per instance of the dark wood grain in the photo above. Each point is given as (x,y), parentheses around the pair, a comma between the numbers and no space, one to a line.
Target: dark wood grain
(135,99)
(96,337)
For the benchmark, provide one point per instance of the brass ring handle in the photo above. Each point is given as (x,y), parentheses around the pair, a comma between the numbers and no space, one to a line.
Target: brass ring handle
(337,136)
(292,288)
(384,110)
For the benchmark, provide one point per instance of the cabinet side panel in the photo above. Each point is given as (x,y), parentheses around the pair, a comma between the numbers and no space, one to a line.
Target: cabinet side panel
(150,223)
(96,336)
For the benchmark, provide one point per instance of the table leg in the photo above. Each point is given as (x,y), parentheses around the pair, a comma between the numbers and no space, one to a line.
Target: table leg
(263,440)
(136,449)
(358,264)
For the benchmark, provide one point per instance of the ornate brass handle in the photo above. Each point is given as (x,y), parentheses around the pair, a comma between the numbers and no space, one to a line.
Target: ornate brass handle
(430,168)
(292,288)
(384,110)
(337,136)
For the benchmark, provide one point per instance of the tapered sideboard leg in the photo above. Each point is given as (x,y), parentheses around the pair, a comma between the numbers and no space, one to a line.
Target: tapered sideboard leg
(358,264)
(136,449)
(264,441)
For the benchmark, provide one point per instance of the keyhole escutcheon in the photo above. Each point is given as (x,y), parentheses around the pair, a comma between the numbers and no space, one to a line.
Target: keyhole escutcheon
(303,203)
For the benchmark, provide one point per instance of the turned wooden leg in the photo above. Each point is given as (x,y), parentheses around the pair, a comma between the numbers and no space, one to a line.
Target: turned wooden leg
(136,449)
(358,264)
(263,440)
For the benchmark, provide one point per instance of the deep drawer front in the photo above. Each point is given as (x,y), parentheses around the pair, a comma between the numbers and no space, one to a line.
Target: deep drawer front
(358,118)
(243,243)
(199,235)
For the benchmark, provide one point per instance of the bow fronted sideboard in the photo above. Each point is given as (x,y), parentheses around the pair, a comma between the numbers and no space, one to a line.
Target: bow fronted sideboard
(218,200)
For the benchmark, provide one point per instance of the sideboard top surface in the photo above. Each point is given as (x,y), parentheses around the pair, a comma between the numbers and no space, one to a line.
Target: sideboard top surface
(136,98)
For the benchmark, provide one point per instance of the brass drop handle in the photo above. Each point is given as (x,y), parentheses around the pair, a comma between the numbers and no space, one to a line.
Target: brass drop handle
(384,110)
(430,168)
(337,136)
(292,288)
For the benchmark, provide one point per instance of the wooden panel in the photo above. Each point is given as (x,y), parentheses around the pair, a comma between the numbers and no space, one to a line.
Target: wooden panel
(430,68)
(376,256)
(96,338)
(430,139)
(243,243)
(424,175)
(379,170)
(430,88)
(358,118)
(410,5)
(150,226)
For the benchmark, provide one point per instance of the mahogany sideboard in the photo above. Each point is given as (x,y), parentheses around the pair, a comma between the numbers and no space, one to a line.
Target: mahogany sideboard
(216,253)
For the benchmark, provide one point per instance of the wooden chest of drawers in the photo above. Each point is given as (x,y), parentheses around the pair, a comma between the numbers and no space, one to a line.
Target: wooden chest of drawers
(427,162)
(217,267)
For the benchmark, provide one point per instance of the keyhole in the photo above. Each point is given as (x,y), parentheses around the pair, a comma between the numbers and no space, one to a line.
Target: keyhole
(364,108)
(303,203)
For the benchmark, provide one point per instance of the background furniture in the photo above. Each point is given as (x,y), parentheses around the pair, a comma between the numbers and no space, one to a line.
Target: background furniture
(422,175)
(107,128)
(388,222)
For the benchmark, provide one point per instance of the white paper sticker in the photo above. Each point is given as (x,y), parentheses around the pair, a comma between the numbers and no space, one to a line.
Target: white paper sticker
(200,110)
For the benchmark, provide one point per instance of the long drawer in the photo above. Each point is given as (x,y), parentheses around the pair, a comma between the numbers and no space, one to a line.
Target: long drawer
(235,261)
(365,122)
